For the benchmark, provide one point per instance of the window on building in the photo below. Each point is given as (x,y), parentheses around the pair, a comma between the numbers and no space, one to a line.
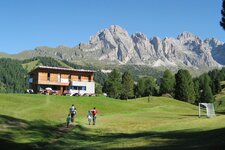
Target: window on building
(84,88)
(30,78)
(48,77)
(79,88)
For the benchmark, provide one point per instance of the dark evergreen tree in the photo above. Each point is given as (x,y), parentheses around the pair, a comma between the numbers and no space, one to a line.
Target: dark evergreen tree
(12,76)
(147,86)
(222,22)
(151,87)
(2,88)
(106,87)
(167,83)
(127,86)
(100,77)
(205,90)
(222,74)
(218,87)
(141,87)
(215,81)
(196,89)
(136,90)
(206,95)
(180,86)
(98,88)
(184,88)
(113,84)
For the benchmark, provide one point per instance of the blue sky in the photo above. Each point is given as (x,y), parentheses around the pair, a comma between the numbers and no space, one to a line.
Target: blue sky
(26,24)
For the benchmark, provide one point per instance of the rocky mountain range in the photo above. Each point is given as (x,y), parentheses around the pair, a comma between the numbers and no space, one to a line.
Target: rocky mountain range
(115,45)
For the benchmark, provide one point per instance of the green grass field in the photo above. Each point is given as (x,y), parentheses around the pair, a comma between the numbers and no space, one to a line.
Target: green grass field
(38,122)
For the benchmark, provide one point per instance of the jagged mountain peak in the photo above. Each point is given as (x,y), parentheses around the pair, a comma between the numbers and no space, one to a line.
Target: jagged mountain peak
(187,35)
(137,48)
(115,45)
(116,28)
(139,35)
(213,41)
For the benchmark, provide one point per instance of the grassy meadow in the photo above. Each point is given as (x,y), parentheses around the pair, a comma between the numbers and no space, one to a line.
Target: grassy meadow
(38,122)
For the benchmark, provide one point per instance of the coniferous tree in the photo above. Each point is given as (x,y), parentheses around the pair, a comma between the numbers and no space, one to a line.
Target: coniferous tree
(167,83)
(222,74)
(184,88)
(2,88)
(105,87)
(127,86)
(136,90)
(151,87)
(218,87)
(147,86)
(215,81)
(98,88)
(180,86)
(205,90)
(100,77)
(206,95)
(222,22)
(12,76)
(141,87)
(113,84)
(196,89)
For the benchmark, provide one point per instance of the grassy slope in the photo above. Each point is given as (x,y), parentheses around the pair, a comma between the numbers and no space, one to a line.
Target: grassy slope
(38,121)
(31,65)
(63,64)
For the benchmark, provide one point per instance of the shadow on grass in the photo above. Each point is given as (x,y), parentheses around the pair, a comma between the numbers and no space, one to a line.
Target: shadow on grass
(21,134)
(191,115)
(179,140)
(221,113)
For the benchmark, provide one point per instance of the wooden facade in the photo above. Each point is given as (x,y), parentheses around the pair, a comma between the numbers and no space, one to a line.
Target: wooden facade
(58,79)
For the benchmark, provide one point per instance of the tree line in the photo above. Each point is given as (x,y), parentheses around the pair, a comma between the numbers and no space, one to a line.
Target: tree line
(181,85)
(13,76)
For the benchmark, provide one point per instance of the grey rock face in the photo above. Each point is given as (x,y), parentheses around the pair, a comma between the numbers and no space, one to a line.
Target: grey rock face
(185,50)
(114,44)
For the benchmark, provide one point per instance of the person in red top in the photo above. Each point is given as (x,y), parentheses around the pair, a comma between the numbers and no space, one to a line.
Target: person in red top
(94,114)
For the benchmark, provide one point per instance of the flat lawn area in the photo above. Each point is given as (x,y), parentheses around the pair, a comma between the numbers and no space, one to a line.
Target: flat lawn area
(38,122)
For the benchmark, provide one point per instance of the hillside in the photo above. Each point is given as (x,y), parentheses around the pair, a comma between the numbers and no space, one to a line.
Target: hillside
(136,70)
(38,122)
(32,63)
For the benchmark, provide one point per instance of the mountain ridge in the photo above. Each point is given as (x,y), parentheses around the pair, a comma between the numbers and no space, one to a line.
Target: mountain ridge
(114,45)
